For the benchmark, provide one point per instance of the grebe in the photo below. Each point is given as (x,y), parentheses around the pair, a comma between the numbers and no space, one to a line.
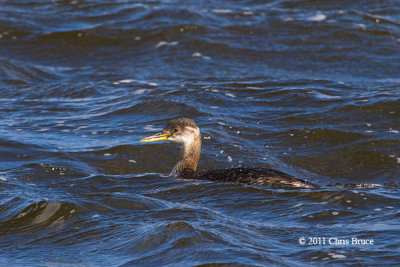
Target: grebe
(185,132)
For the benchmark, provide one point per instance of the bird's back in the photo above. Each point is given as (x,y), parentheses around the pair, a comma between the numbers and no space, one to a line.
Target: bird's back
(251,176)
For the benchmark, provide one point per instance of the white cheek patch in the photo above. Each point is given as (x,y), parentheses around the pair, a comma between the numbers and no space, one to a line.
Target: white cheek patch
(189,136)
(192,133)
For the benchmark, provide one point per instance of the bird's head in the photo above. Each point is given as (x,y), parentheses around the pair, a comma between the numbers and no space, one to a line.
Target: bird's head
(180,130)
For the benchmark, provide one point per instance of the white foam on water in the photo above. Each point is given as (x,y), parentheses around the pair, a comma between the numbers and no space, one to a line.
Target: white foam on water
(139,91)
(81,127)
(164,43)
(221,11)
(151,128)
(317,17)
(336,256)
(127,81)
(248,13)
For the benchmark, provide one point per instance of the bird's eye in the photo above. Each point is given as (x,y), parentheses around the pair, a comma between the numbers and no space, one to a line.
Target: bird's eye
(175,130)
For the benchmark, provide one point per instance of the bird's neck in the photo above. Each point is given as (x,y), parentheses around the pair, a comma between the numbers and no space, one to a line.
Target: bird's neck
(190,155)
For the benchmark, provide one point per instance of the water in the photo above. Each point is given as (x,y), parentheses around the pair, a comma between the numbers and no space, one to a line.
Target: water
(307,87)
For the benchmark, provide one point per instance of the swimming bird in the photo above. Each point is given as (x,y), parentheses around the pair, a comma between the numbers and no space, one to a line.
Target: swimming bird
(185,132)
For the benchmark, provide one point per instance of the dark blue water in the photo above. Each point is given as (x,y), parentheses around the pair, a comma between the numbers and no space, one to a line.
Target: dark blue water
(310,88)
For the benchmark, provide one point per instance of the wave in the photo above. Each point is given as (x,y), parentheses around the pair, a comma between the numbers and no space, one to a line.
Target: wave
(38,216)
(18,72)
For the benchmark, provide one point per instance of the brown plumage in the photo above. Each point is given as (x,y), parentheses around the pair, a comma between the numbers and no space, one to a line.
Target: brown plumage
(185,132)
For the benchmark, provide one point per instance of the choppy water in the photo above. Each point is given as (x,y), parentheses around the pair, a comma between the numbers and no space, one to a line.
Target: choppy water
(307,87)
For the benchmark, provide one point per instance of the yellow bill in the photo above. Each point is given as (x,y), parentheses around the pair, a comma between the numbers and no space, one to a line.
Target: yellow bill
(155,137)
